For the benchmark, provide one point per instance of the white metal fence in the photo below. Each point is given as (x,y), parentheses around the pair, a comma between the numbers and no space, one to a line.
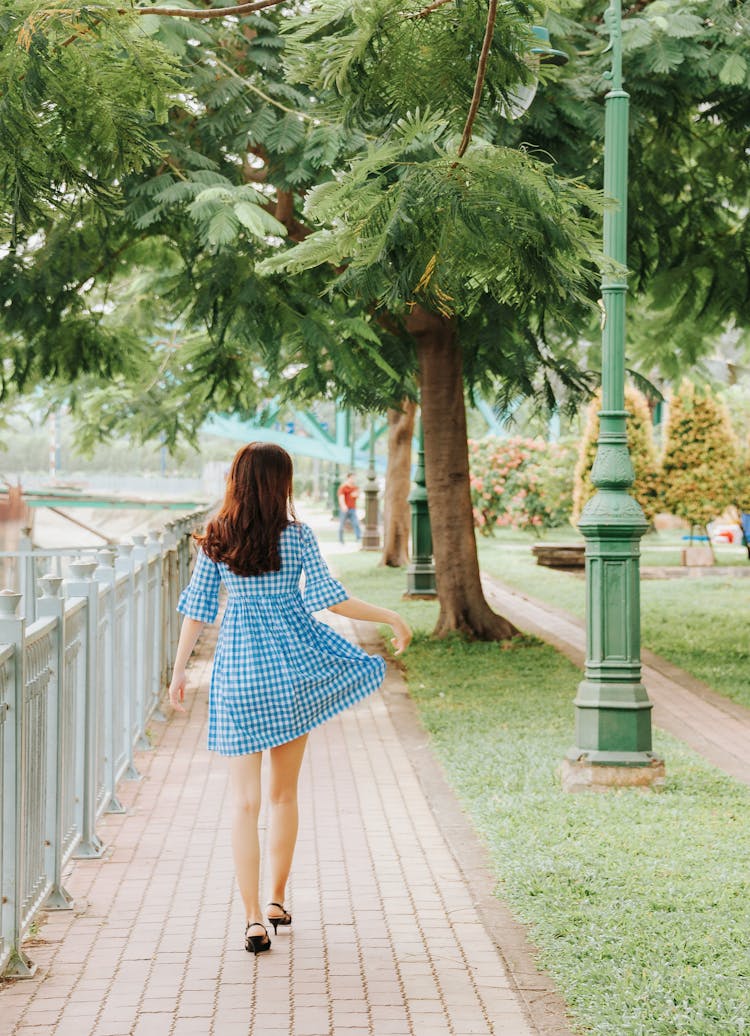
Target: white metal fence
(79,681)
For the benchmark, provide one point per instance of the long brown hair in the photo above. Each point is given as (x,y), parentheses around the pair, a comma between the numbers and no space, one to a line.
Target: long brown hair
(257,508)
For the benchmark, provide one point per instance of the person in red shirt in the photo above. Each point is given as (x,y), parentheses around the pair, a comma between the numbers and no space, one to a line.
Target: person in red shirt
(348,493)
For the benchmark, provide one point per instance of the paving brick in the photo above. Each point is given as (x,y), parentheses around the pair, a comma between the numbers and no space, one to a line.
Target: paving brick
(378,946)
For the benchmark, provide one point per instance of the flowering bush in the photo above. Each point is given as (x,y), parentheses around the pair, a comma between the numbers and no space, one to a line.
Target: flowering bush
(520,483)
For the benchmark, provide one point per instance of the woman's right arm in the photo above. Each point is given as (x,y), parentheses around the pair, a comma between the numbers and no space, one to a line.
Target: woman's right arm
(353,608)
(189,634)
(199,604)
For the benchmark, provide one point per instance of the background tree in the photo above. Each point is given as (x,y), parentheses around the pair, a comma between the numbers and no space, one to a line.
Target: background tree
(469,248)
(643,454)
(687,72)
(245,140)
(700,465)
(156,307)
(396,512)
(82,96)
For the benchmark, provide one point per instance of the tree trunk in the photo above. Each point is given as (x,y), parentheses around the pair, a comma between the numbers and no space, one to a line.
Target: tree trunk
(396,513)
(462,603)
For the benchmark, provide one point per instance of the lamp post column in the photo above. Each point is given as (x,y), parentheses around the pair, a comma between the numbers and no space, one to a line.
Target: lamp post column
(371,534)
(420,575)
(613,711)
(342,439)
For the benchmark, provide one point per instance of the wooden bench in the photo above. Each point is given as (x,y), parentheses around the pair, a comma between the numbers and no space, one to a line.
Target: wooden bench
(560,555)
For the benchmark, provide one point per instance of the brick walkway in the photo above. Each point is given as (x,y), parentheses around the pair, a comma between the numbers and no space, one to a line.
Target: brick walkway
(387,937)
(714,726)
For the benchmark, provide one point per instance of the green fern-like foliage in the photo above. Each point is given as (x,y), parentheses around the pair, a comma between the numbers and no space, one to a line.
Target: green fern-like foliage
(642,454)
(82,90)
(411,223)
(372,60)
(687,71)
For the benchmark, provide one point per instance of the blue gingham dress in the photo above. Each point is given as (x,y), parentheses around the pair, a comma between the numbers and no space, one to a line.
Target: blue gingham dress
(277,672)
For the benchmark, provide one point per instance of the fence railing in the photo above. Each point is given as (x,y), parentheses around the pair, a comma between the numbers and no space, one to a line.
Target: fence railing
(83,663)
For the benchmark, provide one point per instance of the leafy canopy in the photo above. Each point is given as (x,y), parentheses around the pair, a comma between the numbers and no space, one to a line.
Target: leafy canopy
(687,71)
(494,239)
(81,91)
(411,223)
(373,60)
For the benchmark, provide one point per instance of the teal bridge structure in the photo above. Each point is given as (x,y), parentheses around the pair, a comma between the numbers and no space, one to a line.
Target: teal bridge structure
(302,433)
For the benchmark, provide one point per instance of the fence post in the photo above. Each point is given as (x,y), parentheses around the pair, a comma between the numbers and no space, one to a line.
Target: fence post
(169,601)
(26,575)
(156,647)
(104,574)
(124,562)
(12,631)
(51,605)
(183,550)
(143,629)
(81,584)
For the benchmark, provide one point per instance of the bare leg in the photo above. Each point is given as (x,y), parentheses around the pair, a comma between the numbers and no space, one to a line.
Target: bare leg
(285,766)
(244,776)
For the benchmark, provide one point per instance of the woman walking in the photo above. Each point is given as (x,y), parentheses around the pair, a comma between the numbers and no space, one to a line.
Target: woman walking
(277,671)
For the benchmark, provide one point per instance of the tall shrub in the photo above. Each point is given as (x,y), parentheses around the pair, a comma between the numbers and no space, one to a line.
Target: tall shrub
(642,453)
(701,462)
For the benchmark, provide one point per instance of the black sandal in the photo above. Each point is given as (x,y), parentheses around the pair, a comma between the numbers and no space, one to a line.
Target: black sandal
(257,943)
(283,919)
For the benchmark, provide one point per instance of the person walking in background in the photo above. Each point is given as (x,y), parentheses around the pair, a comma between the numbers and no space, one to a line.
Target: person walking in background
(277,672)
(348,493)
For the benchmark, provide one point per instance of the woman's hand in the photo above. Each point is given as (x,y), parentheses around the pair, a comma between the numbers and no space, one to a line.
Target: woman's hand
(177,690)
(402,635)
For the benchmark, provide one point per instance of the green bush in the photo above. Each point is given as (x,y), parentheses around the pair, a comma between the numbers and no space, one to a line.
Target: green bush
(701,463)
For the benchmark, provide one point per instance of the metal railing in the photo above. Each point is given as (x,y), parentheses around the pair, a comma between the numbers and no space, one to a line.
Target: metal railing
(79,682)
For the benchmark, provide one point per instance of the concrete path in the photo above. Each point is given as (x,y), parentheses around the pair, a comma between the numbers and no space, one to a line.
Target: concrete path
(714,726)
(395,927)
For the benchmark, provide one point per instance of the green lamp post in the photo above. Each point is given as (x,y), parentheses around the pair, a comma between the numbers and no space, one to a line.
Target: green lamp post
(335,486)
(420,574)
(371,533)
(613,711)
(342,426)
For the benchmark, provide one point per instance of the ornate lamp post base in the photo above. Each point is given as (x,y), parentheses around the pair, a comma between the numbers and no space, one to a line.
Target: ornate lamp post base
(371,532)
(613,711)
(420,582)
(420,574)
(582,775)
(335,486)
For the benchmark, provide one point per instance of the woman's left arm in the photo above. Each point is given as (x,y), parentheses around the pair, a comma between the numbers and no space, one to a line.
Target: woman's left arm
(189,634)
(353,608)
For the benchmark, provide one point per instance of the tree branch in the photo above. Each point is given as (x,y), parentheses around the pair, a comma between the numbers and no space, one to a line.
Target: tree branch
(429,9)
(214,12)
(481,73)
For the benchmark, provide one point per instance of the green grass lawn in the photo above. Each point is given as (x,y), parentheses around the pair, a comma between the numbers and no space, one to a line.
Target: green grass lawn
(640,904)
(703,625)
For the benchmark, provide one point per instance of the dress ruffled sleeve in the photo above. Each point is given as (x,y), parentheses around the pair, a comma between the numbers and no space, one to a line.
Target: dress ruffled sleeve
(321,589)
(200,598)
